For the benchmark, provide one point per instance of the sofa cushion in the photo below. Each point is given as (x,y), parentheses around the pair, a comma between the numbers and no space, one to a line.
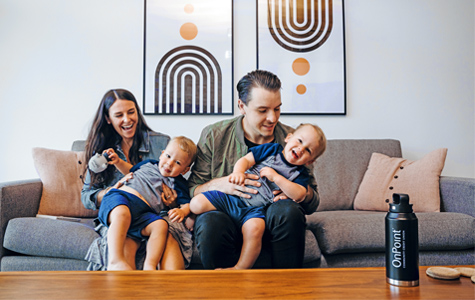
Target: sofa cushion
(60,173)
(457,194)
(39,263)
(364,231)
(340,169)
(47,237)
(387,175)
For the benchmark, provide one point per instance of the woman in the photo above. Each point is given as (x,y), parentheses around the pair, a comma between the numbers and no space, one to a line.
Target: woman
(120,130)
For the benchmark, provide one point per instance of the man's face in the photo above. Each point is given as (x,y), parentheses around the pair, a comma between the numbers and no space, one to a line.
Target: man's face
(261,115)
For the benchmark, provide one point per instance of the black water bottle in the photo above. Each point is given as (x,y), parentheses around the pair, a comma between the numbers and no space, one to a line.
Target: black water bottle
(402,243)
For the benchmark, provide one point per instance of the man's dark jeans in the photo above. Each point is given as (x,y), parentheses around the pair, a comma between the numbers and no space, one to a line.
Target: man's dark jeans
(219,240)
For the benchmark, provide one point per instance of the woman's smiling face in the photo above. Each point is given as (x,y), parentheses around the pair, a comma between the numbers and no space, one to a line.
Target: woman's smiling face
(123,117)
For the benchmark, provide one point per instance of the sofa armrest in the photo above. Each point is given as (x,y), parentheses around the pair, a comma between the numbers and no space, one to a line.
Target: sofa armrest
(18,199)
(457,194)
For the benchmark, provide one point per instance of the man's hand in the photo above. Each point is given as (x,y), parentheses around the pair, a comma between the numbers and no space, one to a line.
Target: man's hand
(223,185)
(279,195)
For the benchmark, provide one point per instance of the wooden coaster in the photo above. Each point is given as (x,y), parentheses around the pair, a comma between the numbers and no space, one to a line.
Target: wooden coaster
(466,272)
(443,273)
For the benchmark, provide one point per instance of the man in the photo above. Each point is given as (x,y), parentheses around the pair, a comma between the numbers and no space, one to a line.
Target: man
(220,146)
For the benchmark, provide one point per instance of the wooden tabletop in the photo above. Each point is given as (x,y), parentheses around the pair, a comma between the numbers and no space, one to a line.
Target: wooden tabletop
(341,283)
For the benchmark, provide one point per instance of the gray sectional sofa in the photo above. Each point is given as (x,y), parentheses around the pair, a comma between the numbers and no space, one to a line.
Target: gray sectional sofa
(337,235)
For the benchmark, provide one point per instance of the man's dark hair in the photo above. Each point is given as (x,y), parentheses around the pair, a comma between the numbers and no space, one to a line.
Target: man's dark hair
(257,78)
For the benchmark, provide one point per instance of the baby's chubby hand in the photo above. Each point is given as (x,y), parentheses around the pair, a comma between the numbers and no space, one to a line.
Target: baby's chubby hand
(237,178)
(176,215)
(269,173)
(125,179)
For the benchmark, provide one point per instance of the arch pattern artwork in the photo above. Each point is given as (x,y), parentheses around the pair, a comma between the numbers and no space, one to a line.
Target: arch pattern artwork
(300,28)
(188,66)
(302,41)
(188,80)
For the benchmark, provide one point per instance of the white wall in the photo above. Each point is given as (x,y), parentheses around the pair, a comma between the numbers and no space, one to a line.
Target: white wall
(410,75)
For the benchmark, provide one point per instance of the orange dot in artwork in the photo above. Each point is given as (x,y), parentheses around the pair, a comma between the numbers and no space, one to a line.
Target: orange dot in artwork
(188,31)
(189,8)
(301,89)
(301,66)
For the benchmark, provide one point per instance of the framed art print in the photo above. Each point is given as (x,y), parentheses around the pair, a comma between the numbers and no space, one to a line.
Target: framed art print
(188,58)
(303,42)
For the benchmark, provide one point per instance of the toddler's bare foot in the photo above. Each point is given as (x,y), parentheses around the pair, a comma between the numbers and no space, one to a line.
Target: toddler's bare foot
(119,266)
(190,222)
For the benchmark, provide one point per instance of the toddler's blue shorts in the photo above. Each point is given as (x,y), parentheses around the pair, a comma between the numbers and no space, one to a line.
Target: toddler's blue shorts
(234,207)
(142,214)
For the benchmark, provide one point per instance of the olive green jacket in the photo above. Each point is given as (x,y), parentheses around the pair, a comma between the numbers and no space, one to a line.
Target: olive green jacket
(221,145)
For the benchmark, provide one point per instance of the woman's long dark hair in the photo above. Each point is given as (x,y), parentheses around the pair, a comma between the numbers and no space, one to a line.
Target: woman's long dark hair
(103,135)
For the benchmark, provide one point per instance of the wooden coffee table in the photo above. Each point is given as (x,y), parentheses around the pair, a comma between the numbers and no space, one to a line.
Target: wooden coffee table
(342,283)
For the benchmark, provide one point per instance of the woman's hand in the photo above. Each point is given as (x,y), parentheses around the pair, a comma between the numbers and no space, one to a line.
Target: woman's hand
(114,159)
(113,156)
(169,196)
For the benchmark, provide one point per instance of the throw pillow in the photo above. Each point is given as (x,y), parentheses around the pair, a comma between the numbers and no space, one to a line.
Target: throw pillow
(60,173)
(388,175)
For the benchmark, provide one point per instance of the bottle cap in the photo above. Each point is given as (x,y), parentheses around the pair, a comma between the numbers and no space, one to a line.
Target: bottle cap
(400,204)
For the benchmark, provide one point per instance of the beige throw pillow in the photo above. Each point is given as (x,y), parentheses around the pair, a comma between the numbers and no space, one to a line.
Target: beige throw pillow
(388,175)
(60,173)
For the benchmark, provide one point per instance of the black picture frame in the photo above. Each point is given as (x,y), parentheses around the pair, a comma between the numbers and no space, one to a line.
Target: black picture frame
(305,47)
(188,58)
